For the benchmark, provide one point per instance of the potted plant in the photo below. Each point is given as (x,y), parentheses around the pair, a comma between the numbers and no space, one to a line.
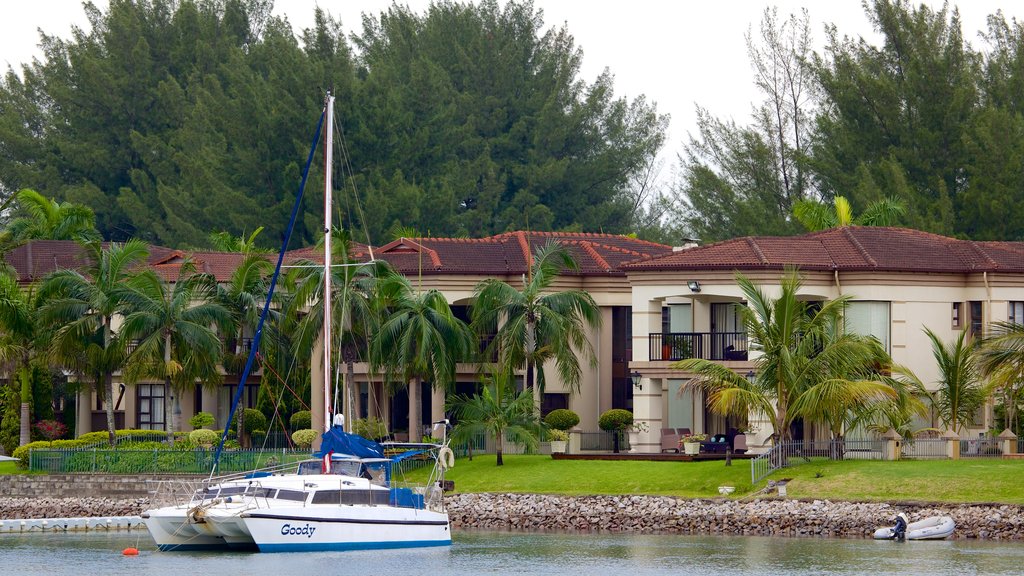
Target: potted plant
(559,422)
(634,431)
(691,443)
(558,439)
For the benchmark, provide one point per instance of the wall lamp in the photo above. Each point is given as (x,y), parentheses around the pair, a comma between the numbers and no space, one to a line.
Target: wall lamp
(636,377)
(693,285)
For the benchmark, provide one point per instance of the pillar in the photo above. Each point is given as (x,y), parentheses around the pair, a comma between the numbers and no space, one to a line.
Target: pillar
(891,449)
(647,412)
(952,444)
(316,404)
(437,398)
(1007,442)
(83,411)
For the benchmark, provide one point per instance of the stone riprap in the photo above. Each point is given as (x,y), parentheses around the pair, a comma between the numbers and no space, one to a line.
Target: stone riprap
(765,517)
(641,514)
(26,508)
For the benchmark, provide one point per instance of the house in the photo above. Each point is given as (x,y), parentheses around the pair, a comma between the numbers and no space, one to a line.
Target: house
(900,281)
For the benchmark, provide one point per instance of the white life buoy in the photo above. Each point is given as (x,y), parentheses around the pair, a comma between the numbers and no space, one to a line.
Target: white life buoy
(446,458)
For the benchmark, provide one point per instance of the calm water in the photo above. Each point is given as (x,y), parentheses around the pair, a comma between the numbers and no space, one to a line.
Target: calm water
(513,553)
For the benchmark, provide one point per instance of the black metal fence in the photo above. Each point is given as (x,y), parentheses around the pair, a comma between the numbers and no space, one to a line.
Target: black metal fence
(704,345)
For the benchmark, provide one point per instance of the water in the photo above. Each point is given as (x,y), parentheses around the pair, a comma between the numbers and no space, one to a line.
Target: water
(476,553)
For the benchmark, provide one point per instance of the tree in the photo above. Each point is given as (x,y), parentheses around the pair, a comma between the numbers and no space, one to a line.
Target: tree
(744,180)
(41,218)
(419,340)
(960,389)
(80,306)
(1001,359)
(22,340)
(535,324)
(356,309)
(806,361)
(901,107)
(173,324)
(815,215)
(499,412)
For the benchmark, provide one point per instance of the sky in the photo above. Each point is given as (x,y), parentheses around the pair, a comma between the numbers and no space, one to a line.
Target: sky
(679,53)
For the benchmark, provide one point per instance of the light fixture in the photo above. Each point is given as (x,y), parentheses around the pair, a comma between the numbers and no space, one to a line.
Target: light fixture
(693,285)
(636,377)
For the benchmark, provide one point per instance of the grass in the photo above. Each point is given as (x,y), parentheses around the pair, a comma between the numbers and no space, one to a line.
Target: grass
(12,468)
(859,480)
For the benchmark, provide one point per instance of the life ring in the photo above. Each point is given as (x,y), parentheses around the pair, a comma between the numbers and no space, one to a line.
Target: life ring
(446,458)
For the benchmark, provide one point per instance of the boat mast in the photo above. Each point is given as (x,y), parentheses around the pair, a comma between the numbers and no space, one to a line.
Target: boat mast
(328,341)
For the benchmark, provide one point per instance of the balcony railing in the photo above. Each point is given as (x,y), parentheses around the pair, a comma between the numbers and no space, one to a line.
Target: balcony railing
(705,345)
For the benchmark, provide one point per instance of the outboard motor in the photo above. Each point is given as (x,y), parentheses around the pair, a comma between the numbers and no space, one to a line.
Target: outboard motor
(899,531)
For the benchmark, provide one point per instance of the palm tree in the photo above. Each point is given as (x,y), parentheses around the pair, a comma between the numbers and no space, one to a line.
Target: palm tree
(535,325)
(22,337)
(173,326)
(497,411)
(354,299)
(81,305)
(242,297)
(816,216)
(44,219)
(1001,358)
(802,352)
(960,389)
(420,340)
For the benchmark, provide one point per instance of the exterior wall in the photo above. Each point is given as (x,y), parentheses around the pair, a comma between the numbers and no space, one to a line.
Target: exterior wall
(916,301)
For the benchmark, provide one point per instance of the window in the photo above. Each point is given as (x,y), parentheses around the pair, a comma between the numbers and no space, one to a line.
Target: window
(151,406)
(976,317)
(869,318)
(958,315)
(553,401)
(1016,313)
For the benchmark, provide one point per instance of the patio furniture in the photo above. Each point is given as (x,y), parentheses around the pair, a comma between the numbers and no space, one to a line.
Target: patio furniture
(715,445)
(669,440)
(739,444)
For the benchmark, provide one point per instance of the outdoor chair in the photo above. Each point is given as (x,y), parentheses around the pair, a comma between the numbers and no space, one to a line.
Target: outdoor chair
(669,440)
(683,431)
(739,444)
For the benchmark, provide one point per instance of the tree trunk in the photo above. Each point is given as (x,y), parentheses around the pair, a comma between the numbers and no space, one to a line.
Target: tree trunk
(499,442)
(415,410)
(168,395)
(108,385)
(25,429)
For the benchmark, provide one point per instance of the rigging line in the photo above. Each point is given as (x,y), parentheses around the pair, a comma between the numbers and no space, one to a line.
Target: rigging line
(277,411)
(270,293)
(355,193)
(267,366)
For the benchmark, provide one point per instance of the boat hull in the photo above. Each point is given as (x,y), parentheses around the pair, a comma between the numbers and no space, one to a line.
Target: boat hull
(347,528)
(932,528)
(171,529)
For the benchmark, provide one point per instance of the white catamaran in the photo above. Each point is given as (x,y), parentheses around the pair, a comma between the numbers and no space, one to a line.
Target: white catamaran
(344,499)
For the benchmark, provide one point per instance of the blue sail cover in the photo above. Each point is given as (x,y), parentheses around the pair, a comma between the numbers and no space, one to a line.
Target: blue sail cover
(340,442)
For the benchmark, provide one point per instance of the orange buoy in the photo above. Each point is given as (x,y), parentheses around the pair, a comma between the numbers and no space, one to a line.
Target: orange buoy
(130,552)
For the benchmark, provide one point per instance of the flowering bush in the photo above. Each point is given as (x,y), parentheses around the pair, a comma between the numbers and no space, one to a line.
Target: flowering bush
(694,438)
(51,429)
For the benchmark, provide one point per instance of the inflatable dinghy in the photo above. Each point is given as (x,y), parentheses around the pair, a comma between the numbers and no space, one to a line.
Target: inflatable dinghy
(931,528)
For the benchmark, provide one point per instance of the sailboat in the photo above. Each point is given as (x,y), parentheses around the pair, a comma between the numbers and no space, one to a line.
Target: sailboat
(343,498)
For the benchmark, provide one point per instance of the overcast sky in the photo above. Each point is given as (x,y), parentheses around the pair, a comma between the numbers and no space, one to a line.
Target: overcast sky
(678,53)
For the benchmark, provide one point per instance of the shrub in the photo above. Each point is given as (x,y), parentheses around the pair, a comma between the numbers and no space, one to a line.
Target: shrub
(301,420)
(370,428)
(556,435)
(203,437)
(51,429)
(100,436)
(562,419)
(202,420)
(254,420)
(21,452)
(615,419)
(304,438)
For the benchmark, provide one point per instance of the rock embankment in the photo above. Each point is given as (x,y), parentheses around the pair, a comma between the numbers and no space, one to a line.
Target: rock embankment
(641,514)
(654,514)
(26,508)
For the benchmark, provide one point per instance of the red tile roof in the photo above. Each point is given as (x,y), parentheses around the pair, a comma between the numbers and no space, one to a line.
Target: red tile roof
(849,248)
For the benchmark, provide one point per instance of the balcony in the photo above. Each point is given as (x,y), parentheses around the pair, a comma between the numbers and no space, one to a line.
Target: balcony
(671,346)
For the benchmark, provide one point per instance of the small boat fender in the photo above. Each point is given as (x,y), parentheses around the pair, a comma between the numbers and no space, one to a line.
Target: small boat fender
(446,458)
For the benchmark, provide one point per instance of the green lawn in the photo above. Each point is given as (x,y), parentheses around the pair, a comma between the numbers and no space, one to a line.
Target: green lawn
(938,481)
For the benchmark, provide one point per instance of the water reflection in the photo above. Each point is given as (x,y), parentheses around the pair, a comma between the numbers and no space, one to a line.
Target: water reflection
(535,553)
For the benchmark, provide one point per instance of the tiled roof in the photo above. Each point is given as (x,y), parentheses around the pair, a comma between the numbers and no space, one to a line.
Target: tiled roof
(510,253)
(848,248)
(596,254)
